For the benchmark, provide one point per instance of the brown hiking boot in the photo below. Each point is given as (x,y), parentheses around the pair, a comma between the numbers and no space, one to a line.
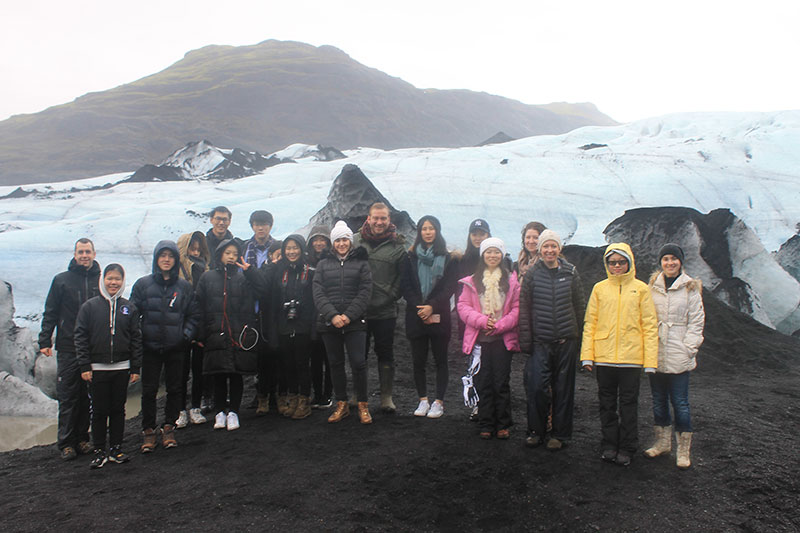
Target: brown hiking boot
(342,411)
(149,440)
(168,436)
(283,404)
(363,413)
(293,401)
(85,448)
(263,405)
(303,409)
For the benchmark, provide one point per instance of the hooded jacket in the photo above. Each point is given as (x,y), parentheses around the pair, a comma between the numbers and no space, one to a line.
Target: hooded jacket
(286,288)
(317,231)
(551,304)
(107,331)
(471,313)
(621,327)
(191,270)
(386,264)
(227,317)
(169,314)
(68,291)
(212,242)
(681,318)
(342,286)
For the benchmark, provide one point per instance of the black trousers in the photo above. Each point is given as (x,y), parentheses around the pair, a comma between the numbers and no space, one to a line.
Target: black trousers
(618,392)
(221,392)
(109,390)
(419,354)
(73,402)
(270,376)
(193,362)
(494,389)
(550,381)
(320,370)
(354,342)
(295,352)
(382,333)
(152,363)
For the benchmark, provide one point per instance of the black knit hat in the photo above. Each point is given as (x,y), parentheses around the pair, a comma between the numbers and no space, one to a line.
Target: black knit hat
(671,249)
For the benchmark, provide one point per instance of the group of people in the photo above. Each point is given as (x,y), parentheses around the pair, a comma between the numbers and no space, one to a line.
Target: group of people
(292,312)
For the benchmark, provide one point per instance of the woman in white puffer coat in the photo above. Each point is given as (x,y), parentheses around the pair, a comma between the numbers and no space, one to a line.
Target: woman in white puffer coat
(679,304)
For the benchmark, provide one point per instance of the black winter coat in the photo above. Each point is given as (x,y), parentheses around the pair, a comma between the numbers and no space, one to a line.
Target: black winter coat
(170,315)
(439,298)
(68,291)
(278,286)
(94,341)
(342,286)
(551,305)
(227,310)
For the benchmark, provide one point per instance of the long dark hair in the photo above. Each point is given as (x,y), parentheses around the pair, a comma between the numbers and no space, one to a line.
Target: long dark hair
(524,256)
(477,277)
(472,253)
(439,245)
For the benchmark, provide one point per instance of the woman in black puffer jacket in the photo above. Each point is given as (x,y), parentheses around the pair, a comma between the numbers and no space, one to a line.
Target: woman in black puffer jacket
(342,289)
(551,309)
(285,289)
(227,330)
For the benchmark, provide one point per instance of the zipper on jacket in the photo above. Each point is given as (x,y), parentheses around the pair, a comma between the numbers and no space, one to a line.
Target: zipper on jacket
(341,282)
(619,309)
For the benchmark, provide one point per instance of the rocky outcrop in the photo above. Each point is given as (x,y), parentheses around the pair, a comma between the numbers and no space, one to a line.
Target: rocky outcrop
(18,398)
(349,199)
(203,160)
(721,251)
(17,346)
(788,256)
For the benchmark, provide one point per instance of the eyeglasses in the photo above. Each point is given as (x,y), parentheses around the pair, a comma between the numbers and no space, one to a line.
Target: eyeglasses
(220,219)
(621,262)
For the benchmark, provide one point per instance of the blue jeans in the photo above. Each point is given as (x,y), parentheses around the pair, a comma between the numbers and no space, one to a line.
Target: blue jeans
(674,389)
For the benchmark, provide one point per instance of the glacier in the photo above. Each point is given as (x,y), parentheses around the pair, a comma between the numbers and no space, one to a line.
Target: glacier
(575,183)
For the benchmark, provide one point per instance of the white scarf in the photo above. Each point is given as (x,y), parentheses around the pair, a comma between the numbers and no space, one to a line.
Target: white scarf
(493,299)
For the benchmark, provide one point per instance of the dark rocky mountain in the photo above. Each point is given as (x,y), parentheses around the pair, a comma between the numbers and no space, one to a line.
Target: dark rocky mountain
(261,98)
(788,256)
(722,252)
(349,199)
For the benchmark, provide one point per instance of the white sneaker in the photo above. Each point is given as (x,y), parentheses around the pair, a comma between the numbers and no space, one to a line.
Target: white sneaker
(423,408)
(183,420)
(437,410)
(233,421)
(219,420)
(196,416)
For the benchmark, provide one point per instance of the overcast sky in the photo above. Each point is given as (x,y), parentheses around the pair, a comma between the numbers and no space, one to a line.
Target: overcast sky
(633,59)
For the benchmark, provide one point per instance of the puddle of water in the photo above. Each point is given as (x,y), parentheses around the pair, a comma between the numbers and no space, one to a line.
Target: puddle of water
(22,432)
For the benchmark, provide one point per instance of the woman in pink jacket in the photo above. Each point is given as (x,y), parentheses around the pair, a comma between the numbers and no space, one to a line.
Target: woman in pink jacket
(489,306)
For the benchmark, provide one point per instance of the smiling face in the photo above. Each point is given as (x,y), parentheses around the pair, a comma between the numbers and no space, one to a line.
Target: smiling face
(165,261)
(230,255)
(219,223)
(319,243)
(492,257)
(292,251)
(617,264)
(84,254)
(531,241)
(549,253)
(378,221)
(112,282)
(428,233)
(476,237)
(342,246)
(671,266)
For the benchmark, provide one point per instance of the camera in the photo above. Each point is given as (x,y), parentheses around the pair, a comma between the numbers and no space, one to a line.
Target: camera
(291,309)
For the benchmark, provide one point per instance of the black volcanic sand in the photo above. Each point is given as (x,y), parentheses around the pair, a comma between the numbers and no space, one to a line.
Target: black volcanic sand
(405,473)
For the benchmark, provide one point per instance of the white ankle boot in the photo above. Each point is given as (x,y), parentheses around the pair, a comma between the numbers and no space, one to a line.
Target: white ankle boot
(684,450)
(663,442)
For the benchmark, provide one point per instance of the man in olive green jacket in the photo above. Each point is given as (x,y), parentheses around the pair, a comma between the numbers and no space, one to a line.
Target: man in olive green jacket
(387,253)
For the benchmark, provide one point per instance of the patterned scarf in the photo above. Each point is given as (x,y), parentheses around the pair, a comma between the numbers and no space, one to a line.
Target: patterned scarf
(367,235)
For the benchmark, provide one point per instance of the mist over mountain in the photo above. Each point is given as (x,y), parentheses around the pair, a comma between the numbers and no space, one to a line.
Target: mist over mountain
(261,98)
